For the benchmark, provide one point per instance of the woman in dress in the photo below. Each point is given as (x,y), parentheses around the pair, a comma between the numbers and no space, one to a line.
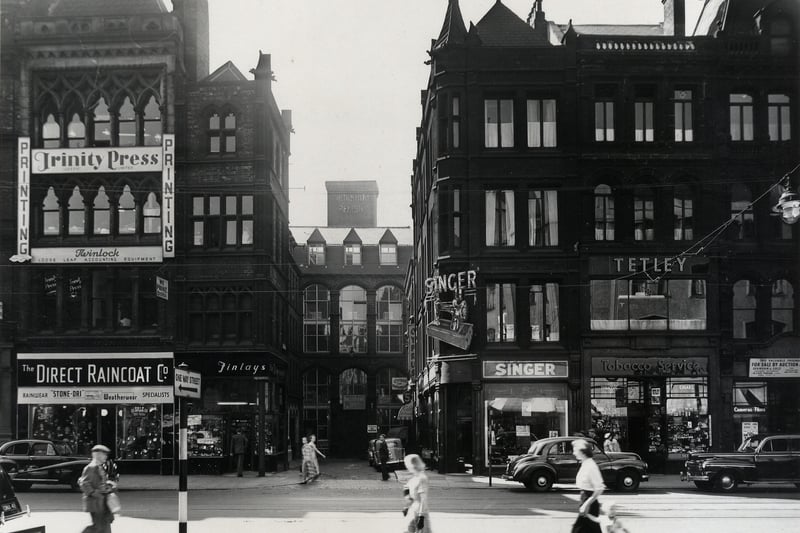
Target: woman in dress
(312,443)
(590,481)
(307,466)
(417,519)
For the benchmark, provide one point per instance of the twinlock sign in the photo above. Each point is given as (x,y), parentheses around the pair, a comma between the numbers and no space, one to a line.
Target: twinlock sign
(525,369)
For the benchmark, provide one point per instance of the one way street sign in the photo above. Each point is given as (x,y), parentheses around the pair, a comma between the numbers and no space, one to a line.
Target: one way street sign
(187,384)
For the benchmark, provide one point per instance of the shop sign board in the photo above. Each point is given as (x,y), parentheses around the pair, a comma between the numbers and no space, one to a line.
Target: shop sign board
(627,265)
(97,254)
(525,369)
(774,368)
(399,384)
(168,196)
(449,293)
(649,366)
(162,288)
(23,194)
(523,431)
(372,428)
(354,402)
(72,378)
(188,384)
(92,160)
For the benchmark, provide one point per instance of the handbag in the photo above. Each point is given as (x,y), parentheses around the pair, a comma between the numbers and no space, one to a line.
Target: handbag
(113,503)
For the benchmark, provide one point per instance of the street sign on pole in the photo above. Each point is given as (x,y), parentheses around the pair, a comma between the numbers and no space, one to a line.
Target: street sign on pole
(187,383)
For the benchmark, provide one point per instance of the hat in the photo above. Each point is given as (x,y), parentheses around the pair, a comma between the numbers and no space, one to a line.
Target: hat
(100,448)
(607,436)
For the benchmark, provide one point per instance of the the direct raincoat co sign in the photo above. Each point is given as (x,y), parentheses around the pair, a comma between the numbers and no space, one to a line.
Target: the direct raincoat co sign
(87,378)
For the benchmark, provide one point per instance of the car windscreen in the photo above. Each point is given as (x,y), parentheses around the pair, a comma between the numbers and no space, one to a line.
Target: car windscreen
(536,448)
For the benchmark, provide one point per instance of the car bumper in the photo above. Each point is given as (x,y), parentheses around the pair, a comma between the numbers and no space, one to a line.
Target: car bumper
(693,477)
(507,477)
(645,477)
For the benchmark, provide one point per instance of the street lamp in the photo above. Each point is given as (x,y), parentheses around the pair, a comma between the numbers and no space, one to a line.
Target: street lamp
(788,206)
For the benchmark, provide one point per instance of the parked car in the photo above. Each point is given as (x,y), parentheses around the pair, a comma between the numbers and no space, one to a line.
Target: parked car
(13,518)
(41,461)
(550,461)
(760,459)
(396,452)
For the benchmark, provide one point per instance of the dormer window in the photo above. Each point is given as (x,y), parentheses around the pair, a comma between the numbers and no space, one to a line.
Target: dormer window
(316,254)
(352,254)
(388,254)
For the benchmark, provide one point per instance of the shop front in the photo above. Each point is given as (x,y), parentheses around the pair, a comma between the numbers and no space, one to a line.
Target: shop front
(658,407)
(768,400)
(238,389)
(122,400)
(524,401)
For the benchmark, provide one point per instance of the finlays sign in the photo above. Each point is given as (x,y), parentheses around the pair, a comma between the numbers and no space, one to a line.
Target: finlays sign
(89,160)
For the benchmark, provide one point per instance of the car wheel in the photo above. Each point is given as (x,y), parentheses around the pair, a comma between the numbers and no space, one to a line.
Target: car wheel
(22,486)
(703,485)
(627,481)
(540,481)
(726,482)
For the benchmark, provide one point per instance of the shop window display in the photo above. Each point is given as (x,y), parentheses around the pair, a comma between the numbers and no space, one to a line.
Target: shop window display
(138,432)
(69,424)
(521,413)
(687,416)
(205,433)
(613,400)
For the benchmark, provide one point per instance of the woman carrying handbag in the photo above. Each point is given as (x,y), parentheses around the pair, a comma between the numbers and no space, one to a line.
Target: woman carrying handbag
(416,495)
(590,481)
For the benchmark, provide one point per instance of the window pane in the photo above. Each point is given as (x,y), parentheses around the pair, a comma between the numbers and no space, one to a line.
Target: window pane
(213,205)
(214,144)
(152,123)
(230,232)
(127,124)
(77,216)
(230,205)
(506,123)
(51,133)
(127,212)
(213,122)
(102,123)
(230,121)
(247,205)
(76,131)
(152,214)
(230,143)
(534,124)
(549,124)
(247,232)
(491,120)
(687,304)
(198,205)
(609,304)
(198,233)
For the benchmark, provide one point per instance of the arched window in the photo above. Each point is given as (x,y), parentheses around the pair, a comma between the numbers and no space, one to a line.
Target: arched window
(152,123)
(51,213)
(152,214)
(603,213)
(230,133)
(316,405)
(102,213)
(352,320)
(126,123)
(51,132)
(316,319)
(222,133)
(744,310)
(126,212)
(742,212)
(101,120)
(77,213)
(683,214)
(782,307)
(643,215)
(389,322)
(214,134)
(76,132)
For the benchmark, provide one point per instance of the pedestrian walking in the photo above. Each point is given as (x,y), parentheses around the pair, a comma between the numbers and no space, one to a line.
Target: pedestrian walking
(417,494)
(238,449)
(611,444)
(312,442)
(96,488)
(383,456)
(308,468)
(590,481)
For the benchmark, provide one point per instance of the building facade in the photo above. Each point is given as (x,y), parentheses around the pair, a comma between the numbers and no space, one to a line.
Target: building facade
(594,245)
(148,228)
(353,364)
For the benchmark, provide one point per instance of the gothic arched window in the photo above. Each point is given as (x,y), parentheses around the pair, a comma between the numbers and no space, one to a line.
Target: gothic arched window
(51,213)
(127,124)
(51,132)
(77,213)
(102,123)
(152,214)
(102,213)
(76,132)
(151,121)
(126,212)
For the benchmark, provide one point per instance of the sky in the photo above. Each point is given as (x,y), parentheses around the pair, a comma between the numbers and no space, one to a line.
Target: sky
(351,71)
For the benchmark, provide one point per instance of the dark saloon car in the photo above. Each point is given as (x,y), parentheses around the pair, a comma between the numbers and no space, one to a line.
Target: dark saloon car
(551,461)
(396,452)
(13,518)
(760,459)
(41,461)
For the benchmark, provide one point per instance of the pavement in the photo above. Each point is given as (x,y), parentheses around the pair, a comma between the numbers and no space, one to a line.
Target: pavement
(343,474)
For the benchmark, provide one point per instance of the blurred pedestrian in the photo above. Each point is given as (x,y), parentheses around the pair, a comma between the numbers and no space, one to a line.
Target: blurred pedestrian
(309,467)
(96,487)
(417,513)
(238,449)
(590,481)
(383,456)
(312,443)
(611,444)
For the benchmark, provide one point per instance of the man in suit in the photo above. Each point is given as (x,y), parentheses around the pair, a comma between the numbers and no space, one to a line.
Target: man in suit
(95,486)
(238,449)
(383,456)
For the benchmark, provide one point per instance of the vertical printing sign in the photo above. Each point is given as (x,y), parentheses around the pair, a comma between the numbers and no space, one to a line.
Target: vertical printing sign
(168,196)
(23,194)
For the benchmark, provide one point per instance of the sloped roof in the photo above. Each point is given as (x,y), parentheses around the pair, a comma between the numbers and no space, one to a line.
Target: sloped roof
(337,236)
(647,30)
(453,29)
(352,237)
(502,27)
(226,73)
(70,8)
(388,237)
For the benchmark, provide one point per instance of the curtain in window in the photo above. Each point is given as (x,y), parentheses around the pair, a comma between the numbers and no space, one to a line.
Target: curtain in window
(552,312)
(491,139)
(534,121)
(549,126)
(506,123)
(508,311)
(551,218)
(491,218)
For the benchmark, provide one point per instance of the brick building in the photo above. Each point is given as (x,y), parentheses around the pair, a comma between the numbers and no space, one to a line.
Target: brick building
(150,229)
(353,361)
(581,175)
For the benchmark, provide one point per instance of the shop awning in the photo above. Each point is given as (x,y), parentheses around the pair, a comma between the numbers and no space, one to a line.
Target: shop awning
(406,412)
(533,405)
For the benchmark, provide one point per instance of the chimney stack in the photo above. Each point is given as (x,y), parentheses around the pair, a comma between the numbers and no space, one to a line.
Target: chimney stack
(674,17)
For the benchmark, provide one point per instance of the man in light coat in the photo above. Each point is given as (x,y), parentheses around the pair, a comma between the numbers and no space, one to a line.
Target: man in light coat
(95,486)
